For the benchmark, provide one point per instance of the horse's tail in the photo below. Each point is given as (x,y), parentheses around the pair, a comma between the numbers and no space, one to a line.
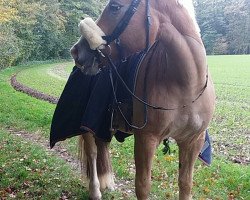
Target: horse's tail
(103,162)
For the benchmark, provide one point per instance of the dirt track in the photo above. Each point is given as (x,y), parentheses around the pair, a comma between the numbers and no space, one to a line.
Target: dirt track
(41,141)
(31,92)
(58,150)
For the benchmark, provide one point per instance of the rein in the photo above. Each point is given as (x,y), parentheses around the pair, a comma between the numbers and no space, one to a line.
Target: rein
(122,25)
(150,105)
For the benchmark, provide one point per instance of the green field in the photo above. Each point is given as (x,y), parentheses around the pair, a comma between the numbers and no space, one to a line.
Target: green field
(25,175)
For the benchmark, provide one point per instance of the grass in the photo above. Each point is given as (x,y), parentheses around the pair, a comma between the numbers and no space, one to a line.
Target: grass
(231,121)
(229,127)
(21,111)
(27,171)
(47,79)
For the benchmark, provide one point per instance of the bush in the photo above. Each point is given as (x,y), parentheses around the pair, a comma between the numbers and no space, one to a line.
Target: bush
(8,47)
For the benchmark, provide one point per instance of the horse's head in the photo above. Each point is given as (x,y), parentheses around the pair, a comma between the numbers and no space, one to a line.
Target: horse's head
(85,57)
(134,23)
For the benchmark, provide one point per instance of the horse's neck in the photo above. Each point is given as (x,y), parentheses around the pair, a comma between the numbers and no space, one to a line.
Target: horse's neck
(180,52)
(177,65)
(180,14)
(187,70)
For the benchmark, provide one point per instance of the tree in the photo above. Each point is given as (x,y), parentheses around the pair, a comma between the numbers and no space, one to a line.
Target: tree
(8,47)
(41,29)
(8,41)
(238,19)
(210,17)
(225,25)
(7,10)
(46,29)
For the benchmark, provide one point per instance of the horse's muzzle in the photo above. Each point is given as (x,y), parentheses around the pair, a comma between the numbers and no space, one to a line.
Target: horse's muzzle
(89,69)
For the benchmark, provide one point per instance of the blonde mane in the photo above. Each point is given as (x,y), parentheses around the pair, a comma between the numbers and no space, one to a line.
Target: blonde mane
(189,6)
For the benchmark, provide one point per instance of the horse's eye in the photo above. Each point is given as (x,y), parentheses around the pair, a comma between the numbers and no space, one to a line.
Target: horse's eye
(114,8)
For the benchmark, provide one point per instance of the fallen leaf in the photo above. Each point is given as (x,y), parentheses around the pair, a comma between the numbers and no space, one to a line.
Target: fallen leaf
(169,158)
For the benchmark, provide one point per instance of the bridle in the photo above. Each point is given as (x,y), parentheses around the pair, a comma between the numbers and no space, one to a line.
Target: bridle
(122,25)
(114,36)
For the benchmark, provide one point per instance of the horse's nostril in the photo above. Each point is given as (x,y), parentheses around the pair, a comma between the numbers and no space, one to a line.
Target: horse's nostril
(74,52)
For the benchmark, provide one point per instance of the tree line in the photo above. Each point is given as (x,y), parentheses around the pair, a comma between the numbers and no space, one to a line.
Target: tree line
(41,29)
(225,25)
(46,29)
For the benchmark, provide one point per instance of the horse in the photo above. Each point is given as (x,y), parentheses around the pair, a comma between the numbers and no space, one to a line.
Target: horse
(173,74)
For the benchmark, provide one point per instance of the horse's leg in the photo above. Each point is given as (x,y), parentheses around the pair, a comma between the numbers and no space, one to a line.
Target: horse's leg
(104,167)
(188,153)
(145,146)
(91,154)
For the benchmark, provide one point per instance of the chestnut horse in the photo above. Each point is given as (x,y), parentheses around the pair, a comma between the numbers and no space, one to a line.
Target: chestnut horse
(173,74)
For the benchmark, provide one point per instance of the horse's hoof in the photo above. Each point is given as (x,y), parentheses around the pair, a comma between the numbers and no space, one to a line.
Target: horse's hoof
(95,196)
(107,182)
(111,188)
